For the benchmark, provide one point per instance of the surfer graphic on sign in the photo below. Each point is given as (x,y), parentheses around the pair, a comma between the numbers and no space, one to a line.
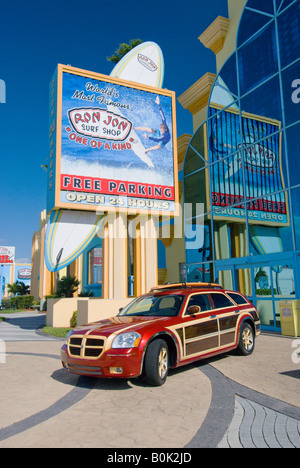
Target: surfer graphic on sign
(162,136)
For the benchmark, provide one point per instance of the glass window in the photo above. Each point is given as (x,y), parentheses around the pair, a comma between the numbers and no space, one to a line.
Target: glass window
(238,299)
(266,5)
(225,90)
(244,281)
(289,34)
(283,3)
(264,102)
(255,66)
(225,278)
(263,163)
(266,312)
(202,272)
(262,279)
(293,144)
(295,196)
(227,182)
(222,239)
(270,229)
(220,301)
(156,306)
(198,243)
(200,300)
(251,23)
(195,156)
(224,133)
(230,233)
(283,280)
(194,188)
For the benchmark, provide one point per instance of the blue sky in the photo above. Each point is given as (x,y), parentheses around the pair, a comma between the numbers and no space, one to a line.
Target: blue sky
(36,36)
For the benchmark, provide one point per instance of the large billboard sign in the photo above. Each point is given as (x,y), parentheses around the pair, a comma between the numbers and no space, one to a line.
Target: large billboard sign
(252,143)
(112,144)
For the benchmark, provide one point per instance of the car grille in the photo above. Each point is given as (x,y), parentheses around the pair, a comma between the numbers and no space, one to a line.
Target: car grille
(84,370)
(85,346)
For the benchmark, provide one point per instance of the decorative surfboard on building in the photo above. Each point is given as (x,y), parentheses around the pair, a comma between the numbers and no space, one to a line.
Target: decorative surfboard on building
(68,234)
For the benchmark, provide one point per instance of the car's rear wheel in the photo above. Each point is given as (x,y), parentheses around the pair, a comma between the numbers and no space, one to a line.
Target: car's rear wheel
(246,340)
(156,365)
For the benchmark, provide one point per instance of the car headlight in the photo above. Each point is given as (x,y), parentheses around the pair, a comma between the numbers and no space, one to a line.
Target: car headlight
(126,340)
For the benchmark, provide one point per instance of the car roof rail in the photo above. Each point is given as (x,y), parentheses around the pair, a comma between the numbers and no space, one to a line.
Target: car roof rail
(185,286)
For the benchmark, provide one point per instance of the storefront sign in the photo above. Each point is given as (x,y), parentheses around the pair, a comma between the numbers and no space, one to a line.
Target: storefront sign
(112,144)
(24,274)
(254,145)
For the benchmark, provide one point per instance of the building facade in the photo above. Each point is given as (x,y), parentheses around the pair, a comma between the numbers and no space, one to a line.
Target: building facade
(242,162)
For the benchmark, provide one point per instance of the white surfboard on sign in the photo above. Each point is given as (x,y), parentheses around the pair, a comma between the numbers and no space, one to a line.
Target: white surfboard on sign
(68,234)
(143,64)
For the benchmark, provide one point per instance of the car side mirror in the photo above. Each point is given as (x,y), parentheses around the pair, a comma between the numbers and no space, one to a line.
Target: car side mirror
(193,310)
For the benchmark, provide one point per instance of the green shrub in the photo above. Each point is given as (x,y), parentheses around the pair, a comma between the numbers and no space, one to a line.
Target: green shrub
(18,302)
(67,286)
(265,292)
(86,294)
(6,303)
(74,319)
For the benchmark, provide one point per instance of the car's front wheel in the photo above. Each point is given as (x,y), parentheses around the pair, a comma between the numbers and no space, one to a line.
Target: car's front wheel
(156,365)
(246,340)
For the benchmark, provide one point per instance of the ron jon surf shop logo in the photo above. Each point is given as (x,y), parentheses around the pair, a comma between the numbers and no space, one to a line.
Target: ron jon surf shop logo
(147,62)
(99,123)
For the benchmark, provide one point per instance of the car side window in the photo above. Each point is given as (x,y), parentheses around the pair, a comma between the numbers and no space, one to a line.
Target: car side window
(220,300)
(238,298)
(200,300)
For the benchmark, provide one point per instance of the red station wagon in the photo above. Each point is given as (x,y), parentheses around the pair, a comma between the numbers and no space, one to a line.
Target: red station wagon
(172,325)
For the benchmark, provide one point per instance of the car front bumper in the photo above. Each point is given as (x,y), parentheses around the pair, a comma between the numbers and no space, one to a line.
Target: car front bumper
(112,363)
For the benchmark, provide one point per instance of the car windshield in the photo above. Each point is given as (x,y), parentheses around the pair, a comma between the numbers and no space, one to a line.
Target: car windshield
(154,305)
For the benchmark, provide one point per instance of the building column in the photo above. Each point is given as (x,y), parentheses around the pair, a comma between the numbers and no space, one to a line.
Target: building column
(115,257)
(148,252)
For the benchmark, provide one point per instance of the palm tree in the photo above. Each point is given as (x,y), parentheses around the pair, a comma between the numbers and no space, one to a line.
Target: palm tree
(67,285)
(18,289)
(123,50)
(12,288)
(23,289)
